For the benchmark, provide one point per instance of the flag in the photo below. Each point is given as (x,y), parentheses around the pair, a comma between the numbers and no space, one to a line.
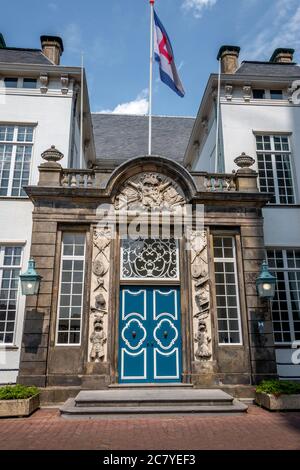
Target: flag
(165,57)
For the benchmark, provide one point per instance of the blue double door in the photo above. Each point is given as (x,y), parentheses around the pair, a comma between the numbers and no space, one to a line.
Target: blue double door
(149,335)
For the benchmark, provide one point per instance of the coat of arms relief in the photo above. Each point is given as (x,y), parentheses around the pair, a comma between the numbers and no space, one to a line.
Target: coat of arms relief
(149,191)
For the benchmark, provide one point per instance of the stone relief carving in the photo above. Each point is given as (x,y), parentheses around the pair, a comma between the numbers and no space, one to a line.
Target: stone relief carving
(228,92)
(99,293)
(203,340)
(201,294)
(44,81)
(148,191)
(247,92)
(64,80)
(98,339)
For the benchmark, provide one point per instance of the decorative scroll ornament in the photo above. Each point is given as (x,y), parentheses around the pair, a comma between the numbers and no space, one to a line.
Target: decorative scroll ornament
(99,292)
(149,258)
(149,191)
(201,294)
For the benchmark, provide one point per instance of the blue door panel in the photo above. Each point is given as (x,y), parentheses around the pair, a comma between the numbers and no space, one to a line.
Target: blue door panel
(150,334)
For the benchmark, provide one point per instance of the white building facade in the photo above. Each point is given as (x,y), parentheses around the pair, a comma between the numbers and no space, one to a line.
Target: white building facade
(259,114)
(39,107)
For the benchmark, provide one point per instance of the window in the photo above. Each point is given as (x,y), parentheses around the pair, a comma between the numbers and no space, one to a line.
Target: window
(285,264)
(15,159)
(71,289)
(29,83)
(227,296)
(11,82)
(258,94)
(149,259)
(274,168)
(10,267)
(276,94)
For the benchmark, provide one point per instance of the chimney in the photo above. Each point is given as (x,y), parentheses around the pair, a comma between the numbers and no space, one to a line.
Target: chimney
(282,56)
(2,42)
(229,56)
(52,47)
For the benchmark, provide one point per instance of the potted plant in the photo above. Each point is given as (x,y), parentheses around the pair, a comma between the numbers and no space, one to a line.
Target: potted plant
(278,395)
(18,400)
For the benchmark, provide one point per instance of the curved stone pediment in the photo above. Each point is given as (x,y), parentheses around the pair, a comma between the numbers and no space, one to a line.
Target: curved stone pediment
(149,191)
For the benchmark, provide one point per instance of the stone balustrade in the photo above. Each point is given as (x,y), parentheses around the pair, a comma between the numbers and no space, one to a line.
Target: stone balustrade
(52,174)
(77,178)
(220,182)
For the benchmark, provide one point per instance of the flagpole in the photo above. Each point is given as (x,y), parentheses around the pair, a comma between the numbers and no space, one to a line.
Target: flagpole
(218,119)
(81,114)
(151,75)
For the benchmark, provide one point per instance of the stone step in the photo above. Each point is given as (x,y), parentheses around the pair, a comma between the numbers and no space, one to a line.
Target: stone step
(150,385)
(70,410)
(152,397)
(140,401)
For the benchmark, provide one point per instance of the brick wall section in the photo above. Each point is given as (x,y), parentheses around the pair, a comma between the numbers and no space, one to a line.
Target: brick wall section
(33,361)
(262,350)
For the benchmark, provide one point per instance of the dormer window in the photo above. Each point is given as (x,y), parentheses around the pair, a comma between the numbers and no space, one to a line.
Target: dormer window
(29,83)
(276,94)
(259,94)
(10,82)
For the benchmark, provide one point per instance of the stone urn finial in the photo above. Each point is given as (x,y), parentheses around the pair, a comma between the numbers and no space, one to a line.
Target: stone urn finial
(52,155)
(244,162)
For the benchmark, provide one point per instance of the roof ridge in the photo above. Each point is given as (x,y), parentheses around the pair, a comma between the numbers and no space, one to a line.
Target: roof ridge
(28,49)
(143,115)
(268,63)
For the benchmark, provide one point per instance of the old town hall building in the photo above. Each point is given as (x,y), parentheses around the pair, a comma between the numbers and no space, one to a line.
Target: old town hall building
(178,303)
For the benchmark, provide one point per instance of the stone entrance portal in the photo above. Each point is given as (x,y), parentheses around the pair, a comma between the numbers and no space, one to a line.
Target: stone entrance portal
(158,308)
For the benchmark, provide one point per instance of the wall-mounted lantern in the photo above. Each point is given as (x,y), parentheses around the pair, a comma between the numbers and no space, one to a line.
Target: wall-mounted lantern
(30,281)
(265,283)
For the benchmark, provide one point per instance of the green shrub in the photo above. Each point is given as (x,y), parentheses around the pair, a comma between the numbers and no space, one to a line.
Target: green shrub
(14,392)
(279,387)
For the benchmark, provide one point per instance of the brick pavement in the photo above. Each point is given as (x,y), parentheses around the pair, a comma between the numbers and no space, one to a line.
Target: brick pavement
(258,429)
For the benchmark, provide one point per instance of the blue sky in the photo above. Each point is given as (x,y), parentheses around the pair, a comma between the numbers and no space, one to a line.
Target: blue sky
(114,36)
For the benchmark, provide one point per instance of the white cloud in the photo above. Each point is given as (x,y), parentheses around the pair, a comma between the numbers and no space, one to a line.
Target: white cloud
(278,27)
(197,6)
(138,106)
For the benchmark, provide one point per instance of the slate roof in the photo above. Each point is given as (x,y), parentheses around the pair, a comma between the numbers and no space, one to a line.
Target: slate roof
(268,69)
(14,55)
(121,137)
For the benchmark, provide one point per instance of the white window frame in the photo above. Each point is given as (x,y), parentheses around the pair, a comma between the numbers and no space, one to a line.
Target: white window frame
(3,246)
(272,153)
(72,258)
(15,143)
(286,269)
(238,304)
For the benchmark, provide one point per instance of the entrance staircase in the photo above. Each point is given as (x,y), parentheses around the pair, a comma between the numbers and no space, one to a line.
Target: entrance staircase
(151,400)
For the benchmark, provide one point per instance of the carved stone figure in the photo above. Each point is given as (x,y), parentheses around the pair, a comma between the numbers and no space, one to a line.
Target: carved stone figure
(98,339)
(201,293)
(203,339)
(149,191)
